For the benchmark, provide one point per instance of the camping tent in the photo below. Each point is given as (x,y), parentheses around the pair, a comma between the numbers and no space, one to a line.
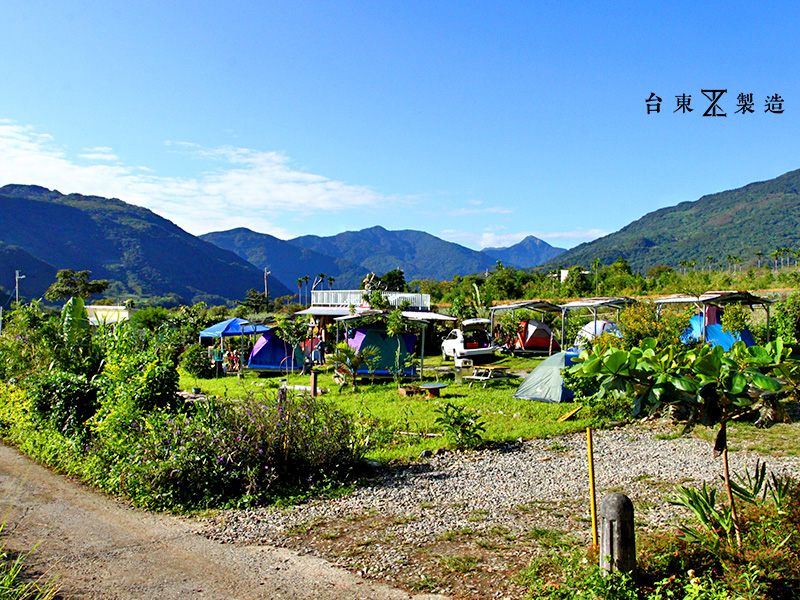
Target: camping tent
(545,383)
(714,334)
(271,353)
(376,335)
(534,336)
(595,329)
(233,327)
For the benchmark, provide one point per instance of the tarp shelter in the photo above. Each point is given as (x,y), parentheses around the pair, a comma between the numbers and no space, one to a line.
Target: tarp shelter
(376,335)
(545,382)
(709,305)
(271,353)
(594,329)
(714,334)
(233,327)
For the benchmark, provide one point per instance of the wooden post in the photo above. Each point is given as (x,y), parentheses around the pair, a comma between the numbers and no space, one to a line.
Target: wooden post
(592,498)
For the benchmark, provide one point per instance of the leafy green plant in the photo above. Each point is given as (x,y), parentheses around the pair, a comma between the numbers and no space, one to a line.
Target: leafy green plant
(65,400)
(347,361)
(463,426)
(196,363)
(735,318)
(714,385)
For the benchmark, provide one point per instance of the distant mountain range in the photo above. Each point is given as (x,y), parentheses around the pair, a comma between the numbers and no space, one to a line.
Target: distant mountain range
(140,253)
(350,256)
(759,217)
(145,255)
(530,252)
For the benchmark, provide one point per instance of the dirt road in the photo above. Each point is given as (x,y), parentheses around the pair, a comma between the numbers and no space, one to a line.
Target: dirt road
(96,549)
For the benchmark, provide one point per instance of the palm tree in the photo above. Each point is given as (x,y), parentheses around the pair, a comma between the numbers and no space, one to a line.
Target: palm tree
(775,254)
(331,279)
(596,267)
(709,261)
(759,256)
(347,361)
(306,279)
(299,283)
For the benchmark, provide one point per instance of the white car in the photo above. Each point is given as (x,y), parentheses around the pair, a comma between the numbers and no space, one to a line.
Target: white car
(471,340)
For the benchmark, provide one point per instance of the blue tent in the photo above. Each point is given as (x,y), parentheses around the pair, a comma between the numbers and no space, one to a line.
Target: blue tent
(233,327)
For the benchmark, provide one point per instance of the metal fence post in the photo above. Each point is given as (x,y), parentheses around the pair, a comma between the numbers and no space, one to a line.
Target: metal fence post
(617,536)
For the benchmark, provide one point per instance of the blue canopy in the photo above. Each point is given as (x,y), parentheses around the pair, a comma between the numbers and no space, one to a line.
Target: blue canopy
(233,327)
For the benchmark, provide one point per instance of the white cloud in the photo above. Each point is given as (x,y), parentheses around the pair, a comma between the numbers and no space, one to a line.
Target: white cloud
(99,153)
(246,188)
(497,210)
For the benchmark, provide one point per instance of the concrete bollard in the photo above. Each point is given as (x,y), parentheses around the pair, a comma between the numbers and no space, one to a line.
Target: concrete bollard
(617,536)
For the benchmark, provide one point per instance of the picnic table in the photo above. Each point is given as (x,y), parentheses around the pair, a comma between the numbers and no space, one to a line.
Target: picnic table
(488,374)
(433,389)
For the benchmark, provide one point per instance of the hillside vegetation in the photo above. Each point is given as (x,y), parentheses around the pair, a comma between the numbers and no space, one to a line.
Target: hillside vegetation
(142,254)
(760,217)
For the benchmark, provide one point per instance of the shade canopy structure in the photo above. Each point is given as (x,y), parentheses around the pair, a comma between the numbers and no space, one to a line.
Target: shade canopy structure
(710,306)
(594,306)
(233,327)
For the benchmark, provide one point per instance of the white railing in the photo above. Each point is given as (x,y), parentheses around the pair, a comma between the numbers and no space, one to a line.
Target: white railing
(346,298)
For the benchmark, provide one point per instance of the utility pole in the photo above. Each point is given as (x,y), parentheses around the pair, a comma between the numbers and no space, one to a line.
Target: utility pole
(266,289)
(17,277)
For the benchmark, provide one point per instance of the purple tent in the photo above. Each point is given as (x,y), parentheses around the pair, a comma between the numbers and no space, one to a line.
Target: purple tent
(271,353)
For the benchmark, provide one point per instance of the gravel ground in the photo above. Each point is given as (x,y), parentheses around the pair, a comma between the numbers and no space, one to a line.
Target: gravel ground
(489,508)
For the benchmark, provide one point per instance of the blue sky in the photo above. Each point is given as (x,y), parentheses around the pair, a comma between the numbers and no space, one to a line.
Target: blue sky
(479,122)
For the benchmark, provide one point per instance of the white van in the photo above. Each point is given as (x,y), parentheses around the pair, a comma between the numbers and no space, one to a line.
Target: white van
(471,340)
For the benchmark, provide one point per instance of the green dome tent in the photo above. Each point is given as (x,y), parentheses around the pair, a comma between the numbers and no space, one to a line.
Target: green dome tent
(545,383)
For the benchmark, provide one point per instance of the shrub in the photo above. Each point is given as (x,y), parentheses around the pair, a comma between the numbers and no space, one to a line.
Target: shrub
(463,426)
(640,321)
(143,380)
(196,363)
(234,453)
(65,400)
(786,318)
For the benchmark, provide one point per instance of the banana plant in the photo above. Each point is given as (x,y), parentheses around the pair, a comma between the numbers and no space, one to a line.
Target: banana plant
(716,385)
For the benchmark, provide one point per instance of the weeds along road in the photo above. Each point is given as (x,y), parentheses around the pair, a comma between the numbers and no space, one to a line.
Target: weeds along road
(95,548)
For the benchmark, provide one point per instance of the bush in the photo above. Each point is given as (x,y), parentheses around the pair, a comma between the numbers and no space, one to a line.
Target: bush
(142,380)
(786,318)
(232,453)
(196,363)
(64,400)
(640,321)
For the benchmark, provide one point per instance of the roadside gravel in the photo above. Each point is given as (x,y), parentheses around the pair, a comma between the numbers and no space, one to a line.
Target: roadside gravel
(492,505)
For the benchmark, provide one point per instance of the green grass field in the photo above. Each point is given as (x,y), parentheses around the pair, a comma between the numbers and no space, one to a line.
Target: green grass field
(400,427)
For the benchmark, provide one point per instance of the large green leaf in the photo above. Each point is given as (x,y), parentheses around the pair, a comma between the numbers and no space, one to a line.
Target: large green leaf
(765,382)
(616,362)
(74,320)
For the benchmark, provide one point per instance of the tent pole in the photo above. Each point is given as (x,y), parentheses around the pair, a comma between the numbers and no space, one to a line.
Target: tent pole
(422,352)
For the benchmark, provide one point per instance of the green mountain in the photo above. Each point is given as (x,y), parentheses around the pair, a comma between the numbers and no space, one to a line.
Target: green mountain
(139,252)
(420,255)
(759,217)
(530,252)
(285,261)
